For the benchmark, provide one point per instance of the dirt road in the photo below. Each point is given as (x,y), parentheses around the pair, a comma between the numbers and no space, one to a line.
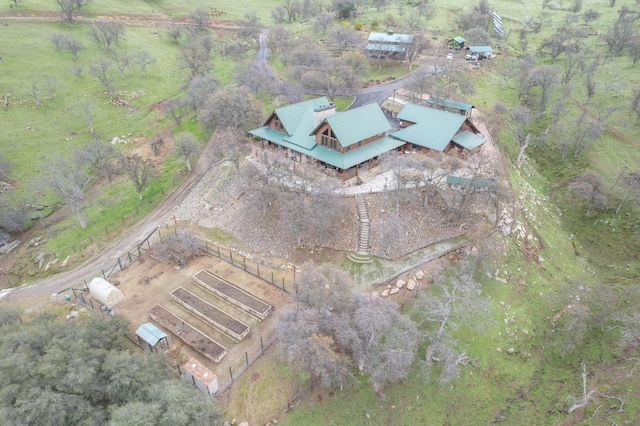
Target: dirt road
(92,267)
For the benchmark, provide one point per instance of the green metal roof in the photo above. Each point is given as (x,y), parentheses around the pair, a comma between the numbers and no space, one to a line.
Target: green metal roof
(459,39)
(448,103)
(358,124)
(390,38)
(468,140)
(150,333)
(480,49)
(386,47)
(330,156)
(294,115)
(433,128)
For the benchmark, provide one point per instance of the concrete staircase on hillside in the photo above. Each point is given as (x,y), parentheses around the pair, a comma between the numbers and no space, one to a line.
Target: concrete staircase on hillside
(364,237)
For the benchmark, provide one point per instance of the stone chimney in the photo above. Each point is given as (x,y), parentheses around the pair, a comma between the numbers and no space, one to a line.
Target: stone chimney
(390,31)
(322,112)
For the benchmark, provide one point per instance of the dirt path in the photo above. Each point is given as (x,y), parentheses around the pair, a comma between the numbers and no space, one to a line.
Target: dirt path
(88,270)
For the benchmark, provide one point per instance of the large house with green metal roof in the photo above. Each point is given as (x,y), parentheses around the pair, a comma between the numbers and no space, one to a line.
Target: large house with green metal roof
(389,45)
(425,129)
(351,141)
(347,141)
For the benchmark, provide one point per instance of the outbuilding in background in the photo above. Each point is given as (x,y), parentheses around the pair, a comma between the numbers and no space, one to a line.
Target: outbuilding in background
(151,338)
(200,376)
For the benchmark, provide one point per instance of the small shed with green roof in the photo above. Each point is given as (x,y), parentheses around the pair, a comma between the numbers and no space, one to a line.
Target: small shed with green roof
(151,337)
(456,43)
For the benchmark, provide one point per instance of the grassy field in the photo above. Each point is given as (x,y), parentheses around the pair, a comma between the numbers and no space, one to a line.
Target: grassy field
(530,386)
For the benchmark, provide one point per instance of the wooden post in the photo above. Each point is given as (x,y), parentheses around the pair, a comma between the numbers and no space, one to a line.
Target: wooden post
(218,252)
(120,264)
(272,282)
(258,266)
(283,284)
(244,261)
(246,357)
(105,277)
(231,374)
(231,256)
(261,344)
(129,253)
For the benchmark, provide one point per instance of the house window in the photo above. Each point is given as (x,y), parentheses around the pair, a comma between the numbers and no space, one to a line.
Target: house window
(349,148)
(359,144)
(277,124)
(324,140)
(333,143)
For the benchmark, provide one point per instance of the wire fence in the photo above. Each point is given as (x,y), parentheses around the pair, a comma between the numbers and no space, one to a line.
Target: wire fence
(51,258)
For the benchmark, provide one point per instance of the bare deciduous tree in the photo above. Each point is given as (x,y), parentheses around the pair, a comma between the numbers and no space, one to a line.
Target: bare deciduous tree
(70,8)
(188,147)
(101,69)
(143,59)
(200,18)
(140,171)
(69,179)
(322,22)
(195,54)
(231,107)
(457,297)
(101,157)
(200,88)
(590,188)
(107,33)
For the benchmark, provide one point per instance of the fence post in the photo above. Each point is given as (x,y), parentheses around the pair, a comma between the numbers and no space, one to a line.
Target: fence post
(122,219)
(119,263)
(272,282)
(231,374)
(218,252)
(261,345)
(105,277)
(139,253)
(258,266)
(106,229)
(231,256)
(85,284)
(283,284)
(244,261)
(129,253)
(246,357)
(74,248)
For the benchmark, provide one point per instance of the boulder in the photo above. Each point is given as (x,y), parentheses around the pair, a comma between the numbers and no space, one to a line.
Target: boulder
(64,262)
(419,275)
(385,293)
(394,290)
(411,285)
(243,424)
(73,314)
(400,283)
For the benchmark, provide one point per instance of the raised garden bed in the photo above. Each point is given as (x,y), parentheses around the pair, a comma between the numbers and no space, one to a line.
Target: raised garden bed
(222,321)
(188,334)
(236,296)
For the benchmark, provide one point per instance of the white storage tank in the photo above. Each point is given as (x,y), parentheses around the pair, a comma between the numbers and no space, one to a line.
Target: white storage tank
(105,292)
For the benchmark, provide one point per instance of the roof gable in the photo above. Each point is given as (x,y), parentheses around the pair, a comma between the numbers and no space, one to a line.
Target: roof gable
(433,128)
(390,38)
(293,115)
(480,49)
(358,124)
(150,333)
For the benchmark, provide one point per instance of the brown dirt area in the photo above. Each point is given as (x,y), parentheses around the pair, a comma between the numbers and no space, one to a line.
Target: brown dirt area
(150,283)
